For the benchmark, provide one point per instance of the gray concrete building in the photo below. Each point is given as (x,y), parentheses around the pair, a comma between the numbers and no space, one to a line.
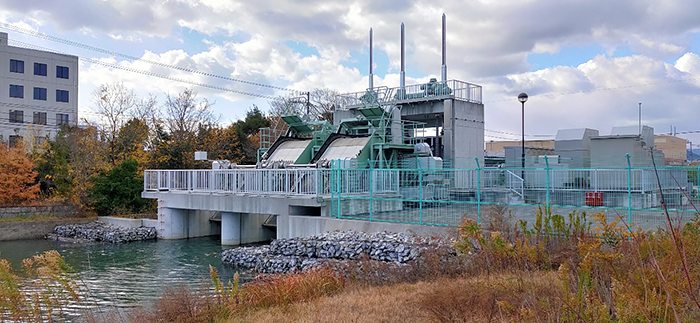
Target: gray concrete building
(38,93)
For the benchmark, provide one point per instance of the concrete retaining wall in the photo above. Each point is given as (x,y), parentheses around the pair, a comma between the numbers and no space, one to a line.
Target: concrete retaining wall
(60,211)
(21,230)
(303,226)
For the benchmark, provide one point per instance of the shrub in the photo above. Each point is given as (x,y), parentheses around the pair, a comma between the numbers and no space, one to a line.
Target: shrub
(119,190)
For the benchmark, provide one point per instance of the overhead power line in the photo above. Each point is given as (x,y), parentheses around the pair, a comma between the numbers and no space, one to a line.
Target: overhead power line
(149,73)
(134,58)
(604,89)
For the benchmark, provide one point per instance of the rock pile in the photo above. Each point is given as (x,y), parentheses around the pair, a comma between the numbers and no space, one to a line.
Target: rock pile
(287,255)
(101,232)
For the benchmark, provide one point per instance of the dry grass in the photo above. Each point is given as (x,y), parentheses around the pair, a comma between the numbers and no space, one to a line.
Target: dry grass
(497,298)
(181,304)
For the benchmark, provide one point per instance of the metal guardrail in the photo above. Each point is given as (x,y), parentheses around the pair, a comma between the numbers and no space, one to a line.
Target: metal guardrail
(454,89)
(239,181)
(316,181)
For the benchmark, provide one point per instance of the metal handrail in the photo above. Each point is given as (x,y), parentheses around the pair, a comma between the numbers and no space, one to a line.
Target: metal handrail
(519,180)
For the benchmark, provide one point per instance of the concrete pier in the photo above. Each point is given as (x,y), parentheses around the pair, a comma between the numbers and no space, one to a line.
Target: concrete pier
(230,229)
(172,223)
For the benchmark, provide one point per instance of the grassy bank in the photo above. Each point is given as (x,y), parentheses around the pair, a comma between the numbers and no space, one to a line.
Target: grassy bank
(562,268)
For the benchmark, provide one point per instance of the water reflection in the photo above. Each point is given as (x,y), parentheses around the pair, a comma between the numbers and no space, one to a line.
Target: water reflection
(127,275)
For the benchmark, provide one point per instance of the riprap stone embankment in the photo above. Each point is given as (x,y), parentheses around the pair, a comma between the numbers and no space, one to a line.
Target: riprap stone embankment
(101,232)
(288,255)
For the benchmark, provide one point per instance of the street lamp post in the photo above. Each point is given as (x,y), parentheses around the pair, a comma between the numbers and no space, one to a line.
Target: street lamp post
(522,97)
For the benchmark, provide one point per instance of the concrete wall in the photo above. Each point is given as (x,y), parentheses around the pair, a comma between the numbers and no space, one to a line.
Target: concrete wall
(674,148)
(500,146)
(290,226)
(255,204)
(467,133)
(32,229)
(61,211)
(128,223)
(252,229)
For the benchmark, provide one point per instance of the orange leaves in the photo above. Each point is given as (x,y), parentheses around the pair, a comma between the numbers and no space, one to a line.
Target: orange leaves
(18,183)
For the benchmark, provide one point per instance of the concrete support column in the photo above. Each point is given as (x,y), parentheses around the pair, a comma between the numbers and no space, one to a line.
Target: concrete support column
(172,223)
(447,127)
(230,229)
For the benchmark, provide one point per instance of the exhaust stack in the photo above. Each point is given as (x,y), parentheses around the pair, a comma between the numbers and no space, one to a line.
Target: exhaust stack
(444,50)
(371,76)
(402,81)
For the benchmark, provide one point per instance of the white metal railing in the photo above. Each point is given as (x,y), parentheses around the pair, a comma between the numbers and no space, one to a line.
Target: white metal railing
(317,181)
(383,96)
(515,183)
(244,181)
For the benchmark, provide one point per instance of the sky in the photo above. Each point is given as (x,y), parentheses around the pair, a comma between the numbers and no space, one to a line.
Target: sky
(583,63)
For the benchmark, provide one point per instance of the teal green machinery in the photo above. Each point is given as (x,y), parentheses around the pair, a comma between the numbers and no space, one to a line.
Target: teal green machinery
(298,146)
(374,137)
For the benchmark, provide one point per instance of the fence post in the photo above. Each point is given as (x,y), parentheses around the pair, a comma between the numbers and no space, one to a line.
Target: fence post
(629,192)
(546,165)
(420,191)
(338,186)
(478,191)
(371,170)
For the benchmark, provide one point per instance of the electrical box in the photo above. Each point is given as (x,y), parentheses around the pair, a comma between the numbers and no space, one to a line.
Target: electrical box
(594,198)
(200,155)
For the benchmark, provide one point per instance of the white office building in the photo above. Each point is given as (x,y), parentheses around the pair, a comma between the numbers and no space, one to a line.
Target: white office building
(38,93)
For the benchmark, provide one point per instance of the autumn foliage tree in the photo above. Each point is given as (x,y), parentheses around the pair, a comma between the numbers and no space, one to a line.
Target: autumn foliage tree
(18,183)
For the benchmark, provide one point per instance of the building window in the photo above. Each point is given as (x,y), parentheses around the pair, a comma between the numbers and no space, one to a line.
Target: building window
(16,116)
(40,69)
(61,118)
(15,140)
(62,72)
(39,118)
(16,66)
(61,96)
(16,91)
(39,93)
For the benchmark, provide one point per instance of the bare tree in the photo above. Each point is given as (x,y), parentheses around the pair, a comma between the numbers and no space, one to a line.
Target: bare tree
(114,101)
(146,110)
(325,100)
(184,114)
(322,103)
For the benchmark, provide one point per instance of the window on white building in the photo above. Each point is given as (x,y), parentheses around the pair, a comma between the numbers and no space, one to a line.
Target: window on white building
(16,116)
(16,91)
(40,69)
(16,66)
(39,118)
(62,72)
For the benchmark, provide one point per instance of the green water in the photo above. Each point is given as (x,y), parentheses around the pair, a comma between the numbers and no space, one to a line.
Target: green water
(133,274)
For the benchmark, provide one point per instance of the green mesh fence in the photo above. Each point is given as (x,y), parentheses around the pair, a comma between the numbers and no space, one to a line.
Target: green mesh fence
(446,196)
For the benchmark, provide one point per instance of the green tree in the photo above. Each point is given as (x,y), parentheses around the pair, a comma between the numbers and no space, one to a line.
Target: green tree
(66,164)
(248,129)
(131,141)
(118,190)
(220,143)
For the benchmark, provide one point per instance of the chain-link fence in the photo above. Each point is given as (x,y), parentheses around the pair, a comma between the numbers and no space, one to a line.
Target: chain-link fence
(417,193)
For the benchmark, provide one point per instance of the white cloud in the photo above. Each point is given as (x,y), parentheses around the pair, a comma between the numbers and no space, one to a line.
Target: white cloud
(601,93)
(488,43)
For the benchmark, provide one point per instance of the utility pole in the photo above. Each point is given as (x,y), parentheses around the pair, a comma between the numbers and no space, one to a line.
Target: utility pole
(308,102)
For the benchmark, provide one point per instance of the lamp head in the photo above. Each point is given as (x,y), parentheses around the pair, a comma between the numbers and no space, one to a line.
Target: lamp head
(522,97)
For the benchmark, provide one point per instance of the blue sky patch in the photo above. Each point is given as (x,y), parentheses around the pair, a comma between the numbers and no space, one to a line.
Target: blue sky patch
(567,56)
(302,48)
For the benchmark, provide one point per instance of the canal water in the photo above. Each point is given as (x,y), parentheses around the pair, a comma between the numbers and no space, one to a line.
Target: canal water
(133,274)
